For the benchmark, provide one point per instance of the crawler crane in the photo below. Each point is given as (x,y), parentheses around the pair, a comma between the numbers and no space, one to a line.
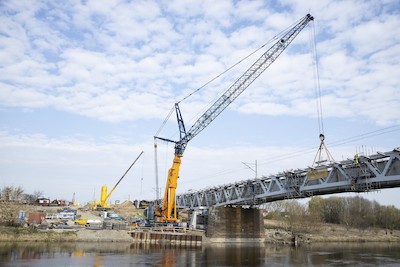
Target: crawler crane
(104,196)
(167,211)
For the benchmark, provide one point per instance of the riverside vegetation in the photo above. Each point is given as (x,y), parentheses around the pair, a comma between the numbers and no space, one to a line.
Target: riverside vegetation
(333,219)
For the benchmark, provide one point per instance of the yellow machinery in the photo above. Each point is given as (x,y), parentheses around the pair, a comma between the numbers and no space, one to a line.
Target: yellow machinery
(167,211)
(103,204)
(104,196)
(81,222)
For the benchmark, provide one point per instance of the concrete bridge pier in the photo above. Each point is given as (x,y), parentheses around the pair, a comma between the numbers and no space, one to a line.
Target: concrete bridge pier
(235,224)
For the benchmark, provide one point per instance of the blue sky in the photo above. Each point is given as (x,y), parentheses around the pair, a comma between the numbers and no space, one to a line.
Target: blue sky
(85,85)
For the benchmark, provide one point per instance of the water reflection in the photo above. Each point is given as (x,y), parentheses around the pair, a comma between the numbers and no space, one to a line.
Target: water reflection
(235,255)
(122,254)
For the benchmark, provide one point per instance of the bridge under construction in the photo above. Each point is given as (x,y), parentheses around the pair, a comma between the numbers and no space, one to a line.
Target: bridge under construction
(226,205)
(359,174)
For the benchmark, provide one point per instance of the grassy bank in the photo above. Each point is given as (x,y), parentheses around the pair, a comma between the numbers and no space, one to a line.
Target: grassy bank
(19,234)
(279,232)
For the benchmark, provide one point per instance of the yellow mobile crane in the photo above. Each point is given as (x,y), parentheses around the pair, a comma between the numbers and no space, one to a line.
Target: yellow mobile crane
(104,197)
(167,211)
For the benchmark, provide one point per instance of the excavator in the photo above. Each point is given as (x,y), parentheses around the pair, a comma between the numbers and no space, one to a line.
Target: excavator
(103,204)
(167,211)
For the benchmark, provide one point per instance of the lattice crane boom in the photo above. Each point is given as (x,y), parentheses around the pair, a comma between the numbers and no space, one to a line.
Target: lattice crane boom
(242,83)
(168,212)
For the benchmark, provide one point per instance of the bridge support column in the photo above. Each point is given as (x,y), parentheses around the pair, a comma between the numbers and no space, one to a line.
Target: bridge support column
(235,224)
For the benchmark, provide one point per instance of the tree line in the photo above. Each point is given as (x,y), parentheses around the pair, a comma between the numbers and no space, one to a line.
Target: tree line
(356,212)
(17,194)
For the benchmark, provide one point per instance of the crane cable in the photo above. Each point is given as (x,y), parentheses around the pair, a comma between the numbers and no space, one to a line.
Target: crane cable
(317,82)
(164,122)
(238,62)
(276,37)
(225,71)
(318,98)
(141,179)
(204,85)
(210,81)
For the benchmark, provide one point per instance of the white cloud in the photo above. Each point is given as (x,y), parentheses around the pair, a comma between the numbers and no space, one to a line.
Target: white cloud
(110,51)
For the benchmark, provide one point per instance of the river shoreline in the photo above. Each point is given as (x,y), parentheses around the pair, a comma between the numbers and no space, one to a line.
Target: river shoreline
(277,232)
(272,235)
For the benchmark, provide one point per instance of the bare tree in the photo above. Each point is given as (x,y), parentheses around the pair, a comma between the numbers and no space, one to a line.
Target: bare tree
(333,207)
(346,215)
(316,208)
(355,212)
(297,216)
(390,218)
(29,198)
(6,193)
(17,193)
(37,194)
(275,209)
(11,193)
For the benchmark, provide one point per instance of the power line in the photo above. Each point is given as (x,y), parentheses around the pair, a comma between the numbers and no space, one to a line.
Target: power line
(303,151)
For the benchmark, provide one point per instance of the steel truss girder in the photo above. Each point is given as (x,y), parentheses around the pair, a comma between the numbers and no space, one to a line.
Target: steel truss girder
(381,170)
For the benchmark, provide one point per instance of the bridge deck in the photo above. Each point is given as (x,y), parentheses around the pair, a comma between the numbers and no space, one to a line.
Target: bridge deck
(381,170)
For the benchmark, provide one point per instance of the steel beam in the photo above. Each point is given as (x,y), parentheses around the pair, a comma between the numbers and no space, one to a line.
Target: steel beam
(378,171)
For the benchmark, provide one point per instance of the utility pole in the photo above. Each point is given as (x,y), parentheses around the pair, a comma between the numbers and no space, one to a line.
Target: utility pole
(254,168)
(156,170)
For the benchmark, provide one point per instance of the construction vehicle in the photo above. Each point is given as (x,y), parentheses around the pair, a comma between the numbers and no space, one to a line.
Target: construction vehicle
(87,223)
(167,212)
(103,204)
(81,222)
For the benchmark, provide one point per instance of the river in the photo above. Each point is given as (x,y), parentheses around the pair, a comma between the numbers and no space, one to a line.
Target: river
(123,254)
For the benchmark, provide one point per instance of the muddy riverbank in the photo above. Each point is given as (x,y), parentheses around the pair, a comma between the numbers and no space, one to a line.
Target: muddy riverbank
(325,233)
(11,234)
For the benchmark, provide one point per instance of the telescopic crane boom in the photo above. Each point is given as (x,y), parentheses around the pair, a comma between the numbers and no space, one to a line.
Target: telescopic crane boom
(168,212)
(104,196)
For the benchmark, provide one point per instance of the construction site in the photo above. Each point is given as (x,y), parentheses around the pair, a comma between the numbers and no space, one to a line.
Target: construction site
(223,213)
